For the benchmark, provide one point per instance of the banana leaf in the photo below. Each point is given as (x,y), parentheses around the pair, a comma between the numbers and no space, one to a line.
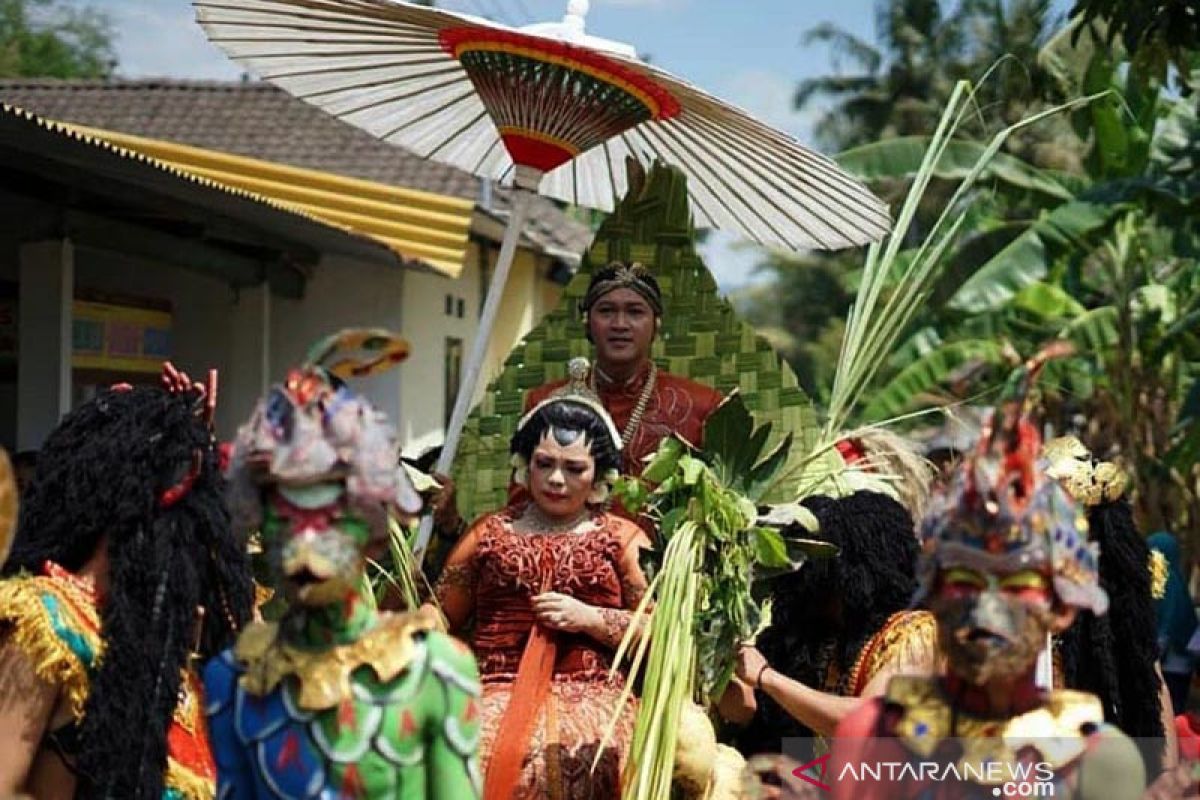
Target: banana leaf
(927,373)
(1026,259)
(902,158)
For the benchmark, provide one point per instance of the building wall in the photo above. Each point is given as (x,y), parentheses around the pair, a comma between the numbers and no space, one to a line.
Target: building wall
(342,293)
(519,311)
(216,326)
(527,298)
(430,318)
(201,339)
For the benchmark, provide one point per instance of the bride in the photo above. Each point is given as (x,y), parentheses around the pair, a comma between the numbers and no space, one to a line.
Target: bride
(549,584)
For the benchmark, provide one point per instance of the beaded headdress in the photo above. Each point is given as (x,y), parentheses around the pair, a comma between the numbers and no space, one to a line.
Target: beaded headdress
(312,429)
(1002,513)
(576,390)
(617,275)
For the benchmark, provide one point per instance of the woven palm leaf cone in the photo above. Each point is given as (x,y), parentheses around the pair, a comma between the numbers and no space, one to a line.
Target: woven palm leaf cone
(702,338)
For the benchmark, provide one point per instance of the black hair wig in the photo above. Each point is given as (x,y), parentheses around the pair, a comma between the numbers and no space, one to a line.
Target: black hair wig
(824,614)
(100,478)
(1113,656)
(568,420)
(25,458)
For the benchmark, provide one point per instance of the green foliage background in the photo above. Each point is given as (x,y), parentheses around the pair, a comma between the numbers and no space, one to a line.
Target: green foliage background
(54,39)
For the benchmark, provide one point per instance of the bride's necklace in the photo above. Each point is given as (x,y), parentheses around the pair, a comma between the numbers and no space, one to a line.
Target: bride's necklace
(535,521)
(643,401)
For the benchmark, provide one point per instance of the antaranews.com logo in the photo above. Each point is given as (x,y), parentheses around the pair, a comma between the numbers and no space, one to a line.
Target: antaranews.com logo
(1021,779)
(900,777)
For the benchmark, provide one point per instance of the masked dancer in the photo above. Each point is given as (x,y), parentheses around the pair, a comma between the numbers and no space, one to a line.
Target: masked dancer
(336,699)
(123,576)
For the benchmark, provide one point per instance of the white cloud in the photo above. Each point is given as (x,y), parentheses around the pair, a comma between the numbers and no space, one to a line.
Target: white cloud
(160,38)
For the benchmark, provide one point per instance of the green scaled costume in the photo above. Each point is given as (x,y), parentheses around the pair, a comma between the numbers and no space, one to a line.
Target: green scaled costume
(336,700)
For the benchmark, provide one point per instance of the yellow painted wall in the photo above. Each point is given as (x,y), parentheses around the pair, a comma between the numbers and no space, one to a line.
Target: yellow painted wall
(528,296)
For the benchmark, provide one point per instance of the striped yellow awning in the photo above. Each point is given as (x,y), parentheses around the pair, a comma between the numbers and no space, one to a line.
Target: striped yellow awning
(418,225)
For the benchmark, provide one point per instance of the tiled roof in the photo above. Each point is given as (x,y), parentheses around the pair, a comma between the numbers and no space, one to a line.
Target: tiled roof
(261,121)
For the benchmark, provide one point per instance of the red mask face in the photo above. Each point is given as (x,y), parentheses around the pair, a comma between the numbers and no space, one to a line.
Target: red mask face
(991,625)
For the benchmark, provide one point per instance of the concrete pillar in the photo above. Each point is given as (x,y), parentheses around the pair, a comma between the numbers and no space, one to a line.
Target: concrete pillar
(47,275)
(250,372)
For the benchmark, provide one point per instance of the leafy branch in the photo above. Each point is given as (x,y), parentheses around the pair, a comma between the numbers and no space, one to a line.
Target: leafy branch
(710,550)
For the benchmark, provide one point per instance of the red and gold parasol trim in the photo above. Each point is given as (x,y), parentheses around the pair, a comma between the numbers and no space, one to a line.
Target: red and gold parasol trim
(659,102)
(536,148)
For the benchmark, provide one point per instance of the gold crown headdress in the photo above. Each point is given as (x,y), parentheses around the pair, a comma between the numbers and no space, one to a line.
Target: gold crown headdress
(576,390)
(1092,483)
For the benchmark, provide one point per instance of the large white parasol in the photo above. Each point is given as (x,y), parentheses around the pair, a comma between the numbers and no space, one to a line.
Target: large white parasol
(547,108)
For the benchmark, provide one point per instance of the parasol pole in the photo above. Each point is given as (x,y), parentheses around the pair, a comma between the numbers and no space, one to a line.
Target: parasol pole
(525,185)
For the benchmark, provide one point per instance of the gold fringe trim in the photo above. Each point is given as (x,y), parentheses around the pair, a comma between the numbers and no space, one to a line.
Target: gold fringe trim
(52,659)
(1159,573)
(189,785)
(324,675)
(907,640)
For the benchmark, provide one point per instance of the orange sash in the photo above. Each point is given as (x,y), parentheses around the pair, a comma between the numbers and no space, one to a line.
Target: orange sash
(534,676)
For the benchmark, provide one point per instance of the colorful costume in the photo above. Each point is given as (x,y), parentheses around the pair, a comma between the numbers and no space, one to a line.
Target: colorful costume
(290,722)
(54,619)
(549,695)
(127,491)
(1006,549)
(336,699)
(492,579)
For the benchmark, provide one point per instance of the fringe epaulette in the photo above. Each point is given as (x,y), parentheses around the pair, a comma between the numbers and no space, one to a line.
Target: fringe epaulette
(182,783)
(53,620)
(908,639)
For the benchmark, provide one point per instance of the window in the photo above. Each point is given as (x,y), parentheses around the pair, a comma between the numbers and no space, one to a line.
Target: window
(449,305)
(461,305)
(453,374)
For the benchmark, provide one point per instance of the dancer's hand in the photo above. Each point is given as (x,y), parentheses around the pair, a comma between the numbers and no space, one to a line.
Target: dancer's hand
(750,665)
(563,613)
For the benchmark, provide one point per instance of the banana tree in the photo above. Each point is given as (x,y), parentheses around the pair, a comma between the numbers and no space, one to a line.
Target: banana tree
(1112,268)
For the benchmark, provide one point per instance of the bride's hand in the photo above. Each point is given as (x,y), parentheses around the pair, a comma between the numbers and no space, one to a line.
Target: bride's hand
(563,613)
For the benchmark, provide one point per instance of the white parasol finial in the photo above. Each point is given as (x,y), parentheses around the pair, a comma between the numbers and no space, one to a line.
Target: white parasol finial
(571,30)
(576,11)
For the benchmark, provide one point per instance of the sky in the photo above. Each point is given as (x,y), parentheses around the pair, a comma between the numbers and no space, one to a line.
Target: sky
(747,52)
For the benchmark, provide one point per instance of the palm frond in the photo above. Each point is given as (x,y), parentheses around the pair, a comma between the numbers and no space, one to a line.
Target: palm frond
(846,44)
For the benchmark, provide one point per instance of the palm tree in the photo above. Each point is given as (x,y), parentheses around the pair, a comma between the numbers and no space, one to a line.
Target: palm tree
(900,85)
